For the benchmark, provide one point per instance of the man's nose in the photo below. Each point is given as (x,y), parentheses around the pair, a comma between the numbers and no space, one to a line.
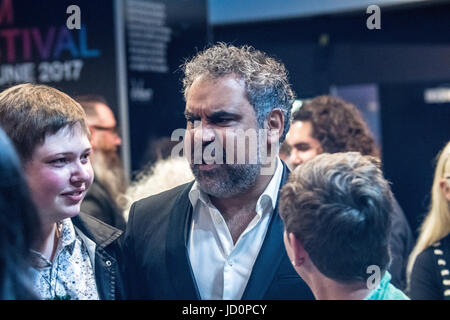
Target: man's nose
(204,133)
(295,158)
(81,173)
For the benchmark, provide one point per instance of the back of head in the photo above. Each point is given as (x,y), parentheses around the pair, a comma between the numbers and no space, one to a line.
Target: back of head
(338,206)
(266,79)
(19,224)
(337,125)
(30,112)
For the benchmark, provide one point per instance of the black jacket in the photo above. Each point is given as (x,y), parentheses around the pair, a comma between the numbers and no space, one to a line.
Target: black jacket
(401,244)
(107,274)
(156,262)
(430,279)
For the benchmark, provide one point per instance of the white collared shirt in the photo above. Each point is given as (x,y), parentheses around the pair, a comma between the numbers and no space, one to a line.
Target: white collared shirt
(222,268)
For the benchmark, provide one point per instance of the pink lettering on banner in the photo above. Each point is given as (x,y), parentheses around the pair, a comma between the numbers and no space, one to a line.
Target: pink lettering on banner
(52,46)
(43,47)
(9,35)
(6,12)
(26,45)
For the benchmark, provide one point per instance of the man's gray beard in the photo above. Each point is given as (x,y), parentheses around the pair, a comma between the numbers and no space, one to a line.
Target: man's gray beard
(109,172)
(227,180)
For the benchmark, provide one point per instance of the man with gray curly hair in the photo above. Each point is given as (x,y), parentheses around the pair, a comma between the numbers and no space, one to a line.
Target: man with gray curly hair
(220,236)
(337,210)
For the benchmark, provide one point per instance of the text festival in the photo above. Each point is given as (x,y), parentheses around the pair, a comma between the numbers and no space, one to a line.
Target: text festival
(19,47)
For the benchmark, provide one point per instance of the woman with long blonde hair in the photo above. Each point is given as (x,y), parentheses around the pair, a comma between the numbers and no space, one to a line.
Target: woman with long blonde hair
(428,267)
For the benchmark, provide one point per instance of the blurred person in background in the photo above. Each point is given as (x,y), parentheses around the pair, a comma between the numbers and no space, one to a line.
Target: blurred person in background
(429,263)
(103,199)
(164,175)
(75,255)
(329,124)
(161,171)
(285,153)
(158,148)
(19,227)
(336,210)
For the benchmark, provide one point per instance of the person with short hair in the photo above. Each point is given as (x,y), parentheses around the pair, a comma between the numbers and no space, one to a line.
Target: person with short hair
(336,209)
(327,124)
(75,255)
(220,236)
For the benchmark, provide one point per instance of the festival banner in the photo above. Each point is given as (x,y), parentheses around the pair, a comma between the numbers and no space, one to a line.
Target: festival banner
(69,45)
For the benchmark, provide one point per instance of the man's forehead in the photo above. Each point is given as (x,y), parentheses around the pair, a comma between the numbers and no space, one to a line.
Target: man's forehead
(301,124)
(217,110)
(216,97)
(299,129)
(105,116)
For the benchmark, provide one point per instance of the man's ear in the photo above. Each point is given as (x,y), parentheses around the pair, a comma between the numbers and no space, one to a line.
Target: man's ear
(275,123)
(444,184)
(298,251)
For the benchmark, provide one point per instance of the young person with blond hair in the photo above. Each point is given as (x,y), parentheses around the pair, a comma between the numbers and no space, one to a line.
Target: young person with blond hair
(428,266)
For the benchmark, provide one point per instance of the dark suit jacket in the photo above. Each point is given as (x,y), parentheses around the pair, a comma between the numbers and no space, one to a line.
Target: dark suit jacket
(156,262)
(107,255)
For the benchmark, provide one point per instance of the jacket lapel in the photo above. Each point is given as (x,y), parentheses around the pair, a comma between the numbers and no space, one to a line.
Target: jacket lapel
(178,264)
(269,257)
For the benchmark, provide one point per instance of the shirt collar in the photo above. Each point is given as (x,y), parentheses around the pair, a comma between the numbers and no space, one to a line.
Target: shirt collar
(266,200)
(68,236)
(67,240)
(270,194)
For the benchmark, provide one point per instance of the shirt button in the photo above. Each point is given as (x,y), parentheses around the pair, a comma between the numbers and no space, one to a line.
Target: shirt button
(230,263)
(108,263)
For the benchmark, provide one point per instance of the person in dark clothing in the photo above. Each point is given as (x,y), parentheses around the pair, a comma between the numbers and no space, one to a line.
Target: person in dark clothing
(428,266)
(99,204)
(329,124)
(74,256)
(220,236)
(18,226)
(103,199)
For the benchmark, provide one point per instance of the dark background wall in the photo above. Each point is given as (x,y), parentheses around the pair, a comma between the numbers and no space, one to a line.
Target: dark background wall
(162,113)
(410,53)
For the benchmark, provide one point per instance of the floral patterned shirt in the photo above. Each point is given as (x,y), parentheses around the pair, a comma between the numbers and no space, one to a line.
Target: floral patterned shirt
(71,275)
